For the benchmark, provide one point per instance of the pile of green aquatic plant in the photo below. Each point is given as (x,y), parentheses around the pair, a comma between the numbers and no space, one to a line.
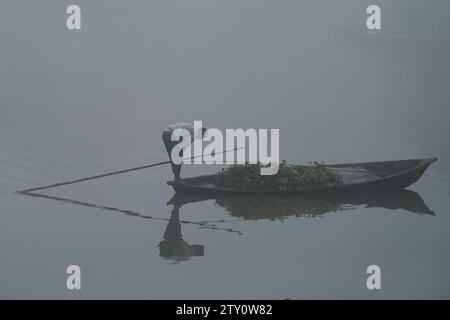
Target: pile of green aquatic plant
(288,178)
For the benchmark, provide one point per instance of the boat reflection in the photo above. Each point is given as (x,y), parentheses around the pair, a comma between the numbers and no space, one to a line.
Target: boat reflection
(278,207)
(175,249)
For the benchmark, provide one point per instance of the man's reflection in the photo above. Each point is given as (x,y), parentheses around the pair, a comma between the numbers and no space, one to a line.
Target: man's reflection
(173,246)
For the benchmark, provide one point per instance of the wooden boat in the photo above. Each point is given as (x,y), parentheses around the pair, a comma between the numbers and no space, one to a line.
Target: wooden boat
(357,177)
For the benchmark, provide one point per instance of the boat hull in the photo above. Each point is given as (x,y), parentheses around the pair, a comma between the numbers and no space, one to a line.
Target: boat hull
(358,177)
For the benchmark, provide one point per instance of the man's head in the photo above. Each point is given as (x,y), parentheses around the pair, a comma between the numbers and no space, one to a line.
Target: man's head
(204,131)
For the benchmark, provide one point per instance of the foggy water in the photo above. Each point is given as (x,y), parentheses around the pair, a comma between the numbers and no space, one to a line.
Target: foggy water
(80,103)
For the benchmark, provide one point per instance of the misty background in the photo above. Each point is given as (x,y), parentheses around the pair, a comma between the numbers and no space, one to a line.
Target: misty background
(84,102)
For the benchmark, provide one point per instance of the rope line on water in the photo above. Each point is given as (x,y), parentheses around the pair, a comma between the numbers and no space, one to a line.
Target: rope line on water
(92,177)
(108,174)
(202,224)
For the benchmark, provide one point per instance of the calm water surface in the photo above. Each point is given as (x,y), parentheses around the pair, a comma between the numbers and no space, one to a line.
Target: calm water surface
(74,104)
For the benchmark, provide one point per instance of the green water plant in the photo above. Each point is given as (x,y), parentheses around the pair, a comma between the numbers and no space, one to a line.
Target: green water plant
(289,177)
